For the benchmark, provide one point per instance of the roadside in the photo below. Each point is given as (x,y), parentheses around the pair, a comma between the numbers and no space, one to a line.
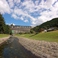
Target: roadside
(3,39)
(40,48)
(3,35)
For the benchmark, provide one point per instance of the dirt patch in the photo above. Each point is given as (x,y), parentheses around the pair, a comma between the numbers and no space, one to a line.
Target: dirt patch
(2,40)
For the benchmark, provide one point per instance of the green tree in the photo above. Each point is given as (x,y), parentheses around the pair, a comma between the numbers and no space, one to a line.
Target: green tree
(2,24)
(4,29)
(8,30)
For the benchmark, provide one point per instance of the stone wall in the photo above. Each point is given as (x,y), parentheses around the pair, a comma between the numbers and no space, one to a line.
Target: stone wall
(20,29)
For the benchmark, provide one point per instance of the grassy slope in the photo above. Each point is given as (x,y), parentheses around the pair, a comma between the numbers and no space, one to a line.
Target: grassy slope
(3,35)
(49,36)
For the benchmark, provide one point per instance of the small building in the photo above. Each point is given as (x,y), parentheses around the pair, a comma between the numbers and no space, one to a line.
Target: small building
(44,31)
(51,29)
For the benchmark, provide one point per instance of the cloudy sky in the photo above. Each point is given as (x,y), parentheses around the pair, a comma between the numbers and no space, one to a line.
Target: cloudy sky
(28,12)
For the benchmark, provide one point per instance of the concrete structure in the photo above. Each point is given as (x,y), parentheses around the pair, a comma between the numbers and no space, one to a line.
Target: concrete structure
(20,29)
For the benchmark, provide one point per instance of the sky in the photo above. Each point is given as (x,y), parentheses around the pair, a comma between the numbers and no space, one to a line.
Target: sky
(28,12)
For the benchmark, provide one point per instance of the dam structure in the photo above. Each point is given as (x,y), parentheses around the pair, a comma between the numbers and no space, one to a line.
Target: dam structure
(20,29)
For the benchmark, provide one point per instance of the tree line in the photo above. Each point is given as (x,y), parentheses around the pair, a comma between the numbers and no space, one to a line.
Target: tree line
(4,29)
(45,26)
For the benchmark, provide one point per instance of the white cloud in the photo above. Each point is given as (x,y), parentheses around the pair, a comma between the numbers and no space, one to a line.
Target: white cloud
(24,11)
(17,1)
(15,16)
(25,20)
(10,24)
(4,7)
(48,15)
(11,3)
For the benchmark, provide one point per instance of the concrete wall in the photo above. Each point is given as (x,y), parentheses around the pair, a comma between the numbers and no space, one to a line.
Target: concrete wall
(20,29)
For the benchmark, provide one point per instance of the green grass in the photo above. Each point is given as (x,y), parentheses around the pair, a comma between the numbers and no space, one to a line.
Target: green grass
(48,36)
(3,35)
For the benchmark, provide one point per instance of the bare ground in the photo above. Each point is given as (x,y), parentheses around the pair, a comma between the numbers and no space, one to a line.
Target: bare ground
(3,39)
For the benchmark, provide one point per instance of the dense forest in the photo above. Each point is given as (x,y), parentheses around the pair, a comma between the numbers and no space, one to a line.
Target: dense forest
(45,26)
(4,29)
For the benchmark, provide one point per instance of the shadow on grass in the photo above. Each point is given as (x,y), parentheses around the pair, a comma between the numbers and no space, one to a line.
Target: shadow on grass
(33,35)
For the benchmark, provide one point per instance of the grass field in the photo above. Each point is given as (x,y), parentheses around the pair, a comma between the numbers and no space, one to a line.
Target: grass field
(3,35)
(48,36)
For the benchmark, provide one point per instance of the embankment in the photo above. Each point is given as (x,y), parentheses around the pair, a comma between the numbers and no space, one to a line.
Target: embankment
(41,48)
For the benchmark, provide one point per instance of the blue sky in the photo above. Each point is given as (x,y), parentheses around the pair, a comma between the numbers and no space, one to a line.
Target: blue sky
(11,20)
(28,12)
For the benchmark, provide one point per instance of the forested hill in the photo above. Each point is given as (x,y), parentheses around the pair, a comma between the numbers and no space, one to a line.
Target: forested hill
(46,25)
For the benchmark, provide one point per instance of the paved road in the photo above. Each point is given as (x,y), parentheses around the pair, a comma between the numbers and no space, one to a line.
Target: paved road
(14,49)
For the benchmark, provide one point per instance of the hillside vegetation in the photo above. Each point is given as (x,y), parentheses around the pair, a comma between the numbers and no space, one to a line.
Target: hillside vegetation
(38,32)
(45,26)
(48,36)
